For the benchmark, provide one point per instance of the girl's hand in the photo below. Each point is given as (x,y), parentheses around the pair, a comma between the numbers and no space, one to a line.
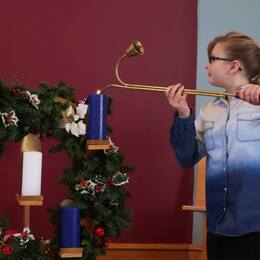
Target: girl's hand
(177,99)
(250,93)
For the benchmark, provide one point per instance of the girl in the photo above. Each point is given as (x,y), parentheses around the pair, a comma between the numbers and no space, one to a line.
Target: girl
(227,131)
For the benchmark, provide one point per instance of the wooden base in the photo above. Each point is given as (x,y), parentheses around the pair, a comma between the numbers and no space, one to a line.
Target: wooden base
(29,200)
(97,145)
(71,252)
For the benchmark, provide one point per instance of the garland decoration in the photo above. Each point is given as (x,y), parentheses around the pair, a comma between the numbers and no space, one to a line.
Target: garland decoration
(95,181)
(20,245)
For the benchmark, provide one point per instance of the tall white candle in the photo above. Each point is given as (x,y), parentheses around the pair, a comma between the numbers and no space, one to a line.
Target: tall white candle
(32,173)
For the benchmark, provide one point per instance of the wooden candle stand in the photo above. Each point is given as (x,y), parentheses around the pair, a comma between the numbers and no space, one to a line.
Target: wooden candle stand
(73,252)
(27,202)
(97,145)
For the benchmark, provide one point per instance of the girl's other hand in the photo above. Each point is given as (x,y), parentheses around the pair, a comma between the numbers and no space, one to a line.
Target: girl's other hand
(251,94)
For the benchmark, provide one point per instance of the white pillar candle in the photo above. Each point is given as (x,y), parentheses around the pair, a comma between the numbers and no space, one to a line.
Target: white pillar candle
(32,173)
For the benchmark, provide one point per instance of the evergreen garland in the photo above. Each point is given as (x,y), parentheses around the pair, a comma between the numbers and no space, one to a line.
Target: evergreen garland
(95,180)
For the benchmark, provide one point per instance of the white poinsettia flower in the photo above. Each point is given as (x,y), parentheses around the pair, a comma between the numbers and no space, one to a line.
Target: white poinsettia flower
(76,118)
(82,128)
(74,129)
(67,127)
(73,122)
(82,110)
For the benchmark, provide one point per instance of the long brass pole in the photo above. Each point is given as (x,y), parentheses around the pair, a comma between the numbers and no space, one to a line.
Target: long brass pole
(162,89)
(136,49)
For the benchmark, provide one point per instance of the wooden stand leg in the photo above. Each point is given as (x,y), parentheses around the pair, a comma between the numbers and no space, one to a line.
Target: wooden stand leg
(27,216)
(27,202)
(204,238)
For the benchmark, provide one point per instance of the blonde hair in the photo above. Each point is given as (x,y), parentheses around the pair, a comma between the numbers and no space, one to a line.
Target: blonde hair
(241,47)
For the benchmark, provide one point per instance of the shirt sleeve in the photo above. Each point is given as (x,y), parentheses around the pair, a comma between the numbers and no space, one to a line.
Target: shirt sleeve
(188,147)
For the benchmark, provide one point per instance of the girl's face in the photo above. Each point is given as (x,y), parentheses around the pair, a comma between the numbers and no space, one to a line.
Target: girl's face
(218,66)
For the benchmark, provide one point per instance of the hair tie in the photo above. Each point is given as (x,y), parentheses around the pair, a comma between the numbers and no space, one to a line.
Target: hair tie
(255,76)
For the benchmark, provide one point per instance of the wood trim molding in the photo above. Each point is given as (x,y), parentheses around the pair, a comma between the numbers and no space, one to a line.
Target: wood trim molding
(145,251)
(152,246)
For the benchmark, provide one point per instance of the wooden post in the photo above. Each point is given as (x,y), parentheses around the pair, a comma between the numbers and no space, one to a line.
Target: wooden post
(27,202)
(26,217)
(199,205)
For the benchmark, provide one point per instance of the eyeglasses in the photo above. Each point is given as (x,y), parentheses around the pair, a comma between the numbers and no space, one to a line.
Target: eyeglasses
(214,58)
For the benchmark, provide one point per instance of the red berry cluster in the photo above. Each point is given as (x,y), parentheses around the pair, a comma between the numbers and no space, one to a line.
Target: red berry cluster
(20,92)
(100,240)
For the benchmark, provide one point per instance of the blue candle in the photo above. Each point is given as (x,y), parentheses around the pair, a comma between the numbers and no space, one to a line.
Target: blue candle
(97,111)
(69,227)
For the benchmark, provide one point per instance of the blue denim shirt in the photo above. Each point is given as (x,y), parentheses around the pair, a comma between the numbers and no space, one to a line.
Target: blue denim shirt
(229,135)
